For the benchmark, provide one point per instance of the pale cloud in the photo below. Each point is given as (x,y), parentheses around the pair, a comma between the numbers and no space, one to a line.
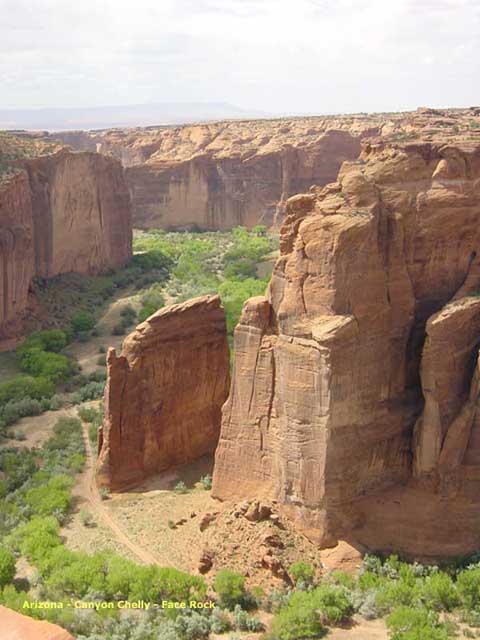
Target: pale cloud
(272,55)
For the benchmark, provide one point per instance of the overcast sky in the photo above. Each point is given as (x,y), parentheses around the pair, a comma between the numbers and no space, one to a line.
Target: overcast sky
(322,56)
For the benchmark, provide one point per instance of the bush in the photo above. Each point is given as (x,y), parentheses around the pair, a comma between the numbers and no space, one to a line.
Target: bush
(439,592)
(50,498)
(20,387)
(88,414)
(101,361)
(246,622)
(206,482)
(82,321)
(7,566)
(220,621)
(230,588)
(180,487)
(298,620)
(468,586)
(86,518)
(45,364)
(192,626)
(407,623)
(52,340)
(302,572)
(37,538)
(334,603)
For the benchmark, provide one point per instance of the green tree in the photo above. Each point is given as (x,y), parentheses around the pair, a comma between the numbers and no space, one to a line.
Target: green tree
(7,566)
(230,587)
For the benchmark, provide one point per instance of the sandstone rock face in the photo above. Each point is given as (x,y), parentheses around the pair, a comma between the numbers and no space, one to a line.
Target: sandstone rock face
(16,249)
(353,380)
(81,213)
(59,213)
(220,189)
(164,393)
(220,174)
(15,626)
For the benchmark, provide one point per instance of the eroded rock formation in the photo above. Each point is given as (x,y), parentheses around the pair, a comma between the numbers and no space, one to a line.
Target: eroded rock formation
(81,213)
(220,174)
(15,626)
(16,249)
(164,393)
(61,212)
(353,401)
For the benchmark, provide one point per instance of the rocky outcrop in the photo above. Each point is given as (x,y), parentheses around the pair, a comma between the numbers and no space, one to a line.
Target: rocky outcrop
(222,188)
(164,393)
(16,626)
(59,213)
(81,213)
(16,249)
(345,394)
(220,174)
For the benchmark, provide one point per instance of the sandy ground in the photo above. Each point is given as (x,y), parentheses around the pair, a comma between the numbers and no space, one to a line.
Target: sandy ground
(87,353)
(37,429)
(105,534)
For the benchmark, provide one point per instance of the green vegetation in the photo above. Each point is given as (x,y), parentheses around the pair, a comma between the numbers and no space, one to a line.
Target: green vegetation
(230,588)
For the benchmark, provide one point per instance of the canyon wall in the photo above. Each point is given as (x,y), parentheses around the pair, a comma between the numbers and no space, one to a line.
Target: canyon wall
(81,213)
(16,249)
(353,400)
(164,393)
(59,213)
(228,188)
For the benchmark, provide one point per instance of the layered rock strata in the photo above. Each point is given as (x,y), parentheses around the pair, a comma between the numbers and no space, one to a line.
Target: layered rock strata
(164,393)
(59,213)
(353,382)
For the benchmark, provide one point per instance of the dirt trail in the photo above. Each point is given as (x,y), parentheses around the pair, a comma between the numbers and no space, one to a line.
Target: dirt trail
(88,490)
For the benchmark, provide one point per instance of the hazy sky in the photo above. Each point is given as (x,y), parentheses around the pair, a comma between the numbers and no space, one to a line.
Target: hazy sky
(273,55)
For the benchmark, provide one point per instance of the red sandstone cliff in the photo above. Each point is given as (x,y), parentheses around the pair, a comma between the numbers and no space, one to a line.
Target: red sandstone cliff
(220,174)
(81,213)
(164,393)
(62,212)
(15,626)
(16,249)
(337,397)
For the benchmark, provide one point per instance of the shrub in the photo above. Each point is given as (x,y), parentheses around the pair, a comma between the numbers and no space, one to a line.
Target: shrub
(88,414)
(407,623)
(82,321)
(51,340)
(206,482)
(192,626)
(86,518)
(45,364)
(230,588)
(37,538)
(101,361)
(7,566)
(246,622)
(102,349)
(334,603)
(180,487)
(21,386)
(439,592)
(468,586)
(220,620)
(298,620)
(302,572)
(50,498)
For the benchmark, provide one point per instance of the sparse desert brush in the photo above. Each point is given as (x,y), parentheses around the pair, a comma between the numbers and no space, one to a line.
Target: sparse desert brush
(86,518)
(104,493)
(206,482)
(180,487)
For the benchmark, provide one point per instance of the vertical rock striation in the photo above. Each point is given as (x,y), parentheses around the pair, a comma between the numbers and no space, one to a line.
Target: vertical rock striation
(337,398)
(16,249)
(164,393)
(64,212)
